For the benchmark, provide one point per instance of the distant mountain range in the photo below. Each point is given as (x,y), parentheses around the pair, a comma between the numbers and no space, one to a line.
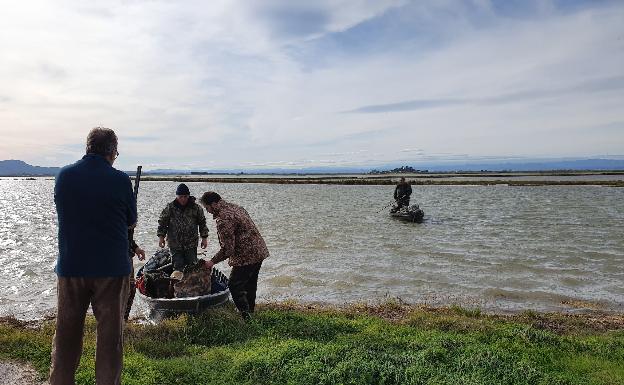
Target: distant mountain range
(20,168)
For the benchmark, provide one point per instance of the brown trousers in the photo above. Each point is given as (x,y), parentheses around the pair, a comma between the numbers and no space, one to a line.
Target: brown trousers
(107,297)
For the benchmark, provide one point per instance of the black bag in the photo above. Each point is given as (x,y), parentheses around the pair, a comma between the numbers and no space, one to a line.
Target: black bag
(158,285)
(161,258)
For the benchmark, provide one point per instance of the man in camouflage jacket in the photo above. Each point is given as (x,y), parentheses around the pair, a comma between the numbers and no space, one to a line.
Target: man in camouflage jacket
(402,194)
(242,244)
(179,223)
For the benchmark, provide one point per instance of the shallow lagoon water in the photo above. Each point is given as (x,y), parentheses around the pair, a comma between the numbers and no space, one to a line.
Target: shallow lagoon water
(499,248)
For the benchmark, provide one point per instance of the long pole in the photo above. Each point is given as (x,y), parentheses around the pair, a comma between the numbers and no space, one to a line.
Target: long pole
(385,207)
(388,205)
(137,180)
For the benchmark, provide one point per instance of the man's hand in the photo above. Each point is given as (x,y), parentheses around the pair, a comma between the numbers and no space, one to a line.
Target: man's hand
(161,242)
(140,253)
(204,243)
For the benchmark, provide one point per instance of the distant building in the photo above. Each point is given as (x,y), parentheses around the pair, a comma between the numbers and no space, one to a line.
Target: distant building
(400,170)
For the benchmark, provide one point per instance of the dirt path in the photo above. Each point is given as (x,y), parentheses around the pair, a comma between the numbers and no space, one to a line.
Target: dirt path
(12,373)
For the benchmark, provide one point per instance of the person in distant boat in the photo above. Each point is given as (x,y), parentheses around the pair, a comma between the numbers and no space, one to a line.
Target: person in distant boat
(242,244)
(95,207)
(179,224)
(402,194)
(133,250)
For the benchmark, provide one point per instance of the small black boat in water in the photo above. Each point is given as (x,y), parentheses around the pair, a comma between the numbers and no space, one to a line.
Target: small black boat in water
(166,305)
(412,213)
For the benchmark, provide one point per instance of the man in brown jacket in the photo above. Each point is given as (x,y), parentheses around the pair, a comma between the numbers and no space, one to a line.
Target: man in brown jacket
(242,243)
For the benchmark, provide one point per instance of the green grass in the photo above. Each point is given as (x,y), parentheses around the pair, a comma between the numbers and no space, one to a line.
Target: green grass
(357,345)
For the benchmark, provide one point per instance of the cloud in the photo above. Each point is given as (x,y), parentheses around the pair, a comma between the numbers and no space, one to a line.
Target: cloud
(289,22)
(587,87)
(141,138)
(235,83)
(409,105)
(412,150)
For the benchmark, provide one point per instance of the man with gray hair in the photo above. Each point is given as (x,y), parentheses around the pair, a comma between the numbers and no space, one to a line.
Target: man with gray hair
(95,206)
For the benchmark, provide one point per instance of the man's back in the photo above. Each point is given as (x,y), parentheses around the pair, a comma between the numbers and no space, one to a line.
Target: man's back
(234,223)
(402,190)
(95,206)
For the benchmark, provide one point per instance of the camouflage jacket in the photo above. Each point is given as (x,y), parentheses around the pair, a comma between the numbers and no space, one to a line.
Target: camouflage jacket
(239,237)
(402,190)
(180,224)
(196,281)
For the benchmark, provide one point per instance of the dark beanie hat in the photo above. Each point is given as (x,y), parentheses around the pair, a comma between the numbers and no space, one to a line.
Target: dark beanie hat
(183,190)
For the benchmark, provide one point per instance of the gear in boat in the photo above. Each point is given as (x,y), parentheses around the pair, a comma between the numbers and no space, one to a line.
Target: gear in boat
(412,213)
(166,296)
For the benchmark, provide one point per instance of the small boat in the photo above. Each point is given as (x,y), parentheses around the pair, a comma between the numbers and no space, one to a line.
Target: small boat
(168,307)
(412,213)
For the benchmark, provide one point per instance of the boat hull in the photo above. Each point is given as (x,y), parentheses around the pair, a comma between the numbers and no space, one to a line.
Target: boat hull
(170,307)
(416,216)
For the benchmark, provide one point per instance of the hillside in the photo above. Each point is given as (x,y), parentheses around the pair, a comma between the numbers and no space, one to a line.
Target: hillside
(21,168)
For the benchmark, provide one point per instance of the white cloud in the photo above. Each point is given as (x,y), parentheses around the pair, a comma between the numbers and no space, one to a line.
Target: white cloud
(225,85)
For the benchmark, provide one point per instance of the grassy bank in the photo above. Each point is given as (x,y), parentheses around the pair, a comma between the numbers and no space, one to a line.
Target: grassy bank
(387,344)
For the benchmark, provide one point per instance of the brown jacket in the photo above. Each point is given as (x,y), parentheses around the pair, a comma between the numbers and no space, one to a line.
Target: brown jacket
(239,237)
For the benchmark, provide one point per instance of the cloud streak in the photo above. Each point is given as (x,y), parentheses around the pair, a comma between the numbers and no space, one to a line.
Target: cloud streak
(592,86)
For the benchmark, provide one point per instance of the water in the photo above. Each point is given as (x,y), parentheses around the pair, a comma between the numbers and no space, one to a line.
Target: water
(496,247)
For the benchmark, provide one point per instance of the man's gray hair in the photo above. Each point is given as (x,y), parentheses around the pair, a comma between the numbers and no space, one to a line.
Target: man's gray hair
(102,141)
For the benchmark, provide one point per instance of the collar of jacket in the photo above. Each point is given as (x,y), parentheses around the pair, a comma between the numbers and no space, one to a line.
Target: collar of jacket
(96,158)
(189,203)
(218,208)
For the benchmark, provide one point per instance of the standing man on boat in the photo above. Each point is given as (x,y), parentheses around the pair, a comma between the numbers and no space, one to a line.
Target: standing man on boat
(179,223)
(402,194)
(95,207)
(242,244)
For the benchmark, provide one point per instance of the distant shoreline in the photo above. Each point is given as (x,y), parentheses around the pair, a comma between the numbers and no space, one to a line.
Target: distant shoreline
(436,179)
(444,179)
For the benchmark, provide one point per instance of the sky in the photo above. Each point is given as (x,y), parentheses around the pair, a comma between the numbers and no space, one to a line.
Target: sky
(264,84)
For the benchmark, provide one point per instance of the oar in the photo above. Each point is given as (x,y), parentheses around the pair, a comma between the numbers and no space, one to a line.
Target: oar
(385,207)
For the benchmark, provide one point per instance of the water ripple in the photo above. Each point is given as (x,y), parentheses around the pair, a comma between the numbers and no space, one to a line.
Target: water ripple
(496,247)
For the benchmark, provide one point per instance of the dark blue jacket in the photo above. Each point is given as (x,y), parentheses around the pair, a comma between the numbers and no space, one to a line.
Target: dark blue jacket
(95,206)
